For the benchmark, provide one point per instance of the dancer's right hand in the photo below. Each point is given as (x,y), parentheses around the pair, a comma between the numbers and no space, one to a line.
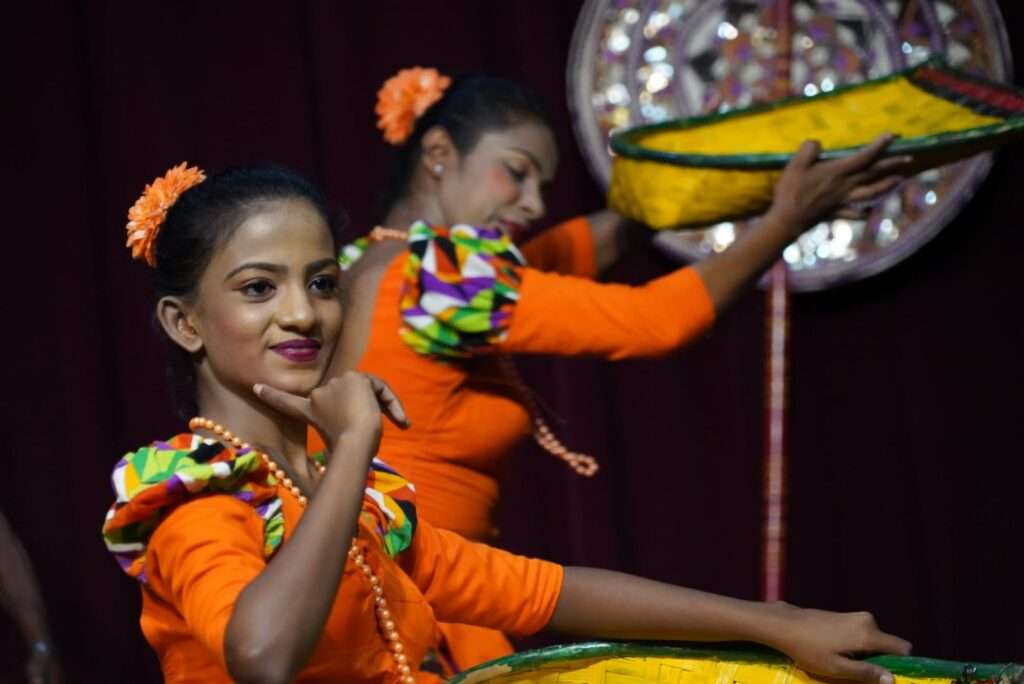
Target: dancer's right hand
(351,402)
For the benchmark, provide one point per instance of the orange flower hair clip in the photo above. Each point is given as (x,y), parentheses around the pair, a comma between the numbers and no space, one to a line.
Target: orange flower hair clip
(404,97)
(149,211)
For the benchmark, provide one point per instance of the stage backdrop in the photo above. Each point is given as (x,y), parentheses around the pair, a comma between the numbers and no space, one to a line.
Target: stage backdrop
(906,464)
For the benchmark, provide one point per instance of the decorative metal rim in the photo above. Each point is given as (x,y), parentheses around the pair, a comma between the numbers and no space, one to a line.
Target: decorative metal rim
(908,666)
(592,138)
(625,143)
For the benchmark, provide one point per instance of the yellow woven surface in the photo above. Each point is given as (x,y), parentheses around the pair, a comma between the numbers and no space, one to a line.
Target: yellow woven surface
(665,195)
(663,670)
(851,118)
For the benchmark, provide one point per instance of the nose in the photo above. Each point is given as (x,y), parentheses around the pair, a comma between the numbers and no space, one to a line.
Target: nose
(532,201)
(296,311)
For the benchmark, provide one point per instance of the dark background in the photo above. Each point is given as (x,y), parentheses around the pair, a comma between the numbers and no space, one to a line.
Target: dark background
(906,419)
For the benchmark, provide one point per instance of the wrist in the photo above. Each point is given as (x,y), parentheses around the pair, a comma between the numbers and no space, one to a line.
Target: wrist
(775,627)
(784,224)
(359,437)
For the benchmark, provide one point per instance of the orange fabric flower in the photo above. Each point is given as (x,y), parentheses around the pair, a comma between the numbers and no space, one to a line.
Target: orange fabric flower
(149,211)
(404,97)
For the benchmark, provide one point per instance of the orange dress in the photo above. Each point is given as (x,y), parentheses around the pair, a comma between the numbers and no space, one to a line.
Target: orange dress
(466,414)
(206,551)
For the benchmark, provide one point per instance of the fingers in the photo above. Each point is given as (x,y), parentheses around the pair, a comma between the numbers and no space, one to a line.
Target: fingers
(862,671)
(388,401)
(806,155)
(866,156)
(284,402)
(853,213)
(870,191)
(877,642)
(890,643)
(893,165)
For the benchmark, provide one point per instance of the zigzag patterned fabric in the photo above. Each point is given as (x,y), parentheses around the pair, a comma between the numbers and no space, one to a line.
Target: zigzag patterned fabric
(151,482)
(352,252)
(389,505)
(461,286)
(392,515)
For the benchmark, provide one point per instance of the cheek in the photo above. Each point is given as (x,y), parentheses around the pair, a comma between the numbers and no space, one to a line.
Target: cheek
(235,329)
(331,319)
(503,188)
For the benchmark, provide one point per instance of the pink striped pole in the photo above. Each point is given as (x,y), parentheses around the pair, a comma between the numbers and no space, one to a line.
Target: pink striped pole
(773,535)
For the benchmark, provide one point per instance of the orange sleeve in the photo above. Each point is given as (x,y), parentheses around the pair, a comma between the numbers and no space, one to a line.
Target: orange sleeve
(571,316)
(567,248)
(471,583)
(202,556)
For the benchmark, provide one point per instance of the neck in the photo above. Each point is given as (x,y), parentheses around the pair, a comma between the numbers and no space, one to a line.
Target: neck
(420,203)
(405,212)
(254,422)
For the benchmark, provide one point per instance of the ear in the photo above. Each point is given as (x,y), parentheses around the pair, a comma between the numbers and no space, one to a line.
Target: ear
(438,151)
(176,319)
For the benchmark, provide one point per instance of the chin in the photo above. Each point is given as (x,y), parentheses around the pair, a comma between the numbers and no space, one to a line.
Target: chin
(296,382)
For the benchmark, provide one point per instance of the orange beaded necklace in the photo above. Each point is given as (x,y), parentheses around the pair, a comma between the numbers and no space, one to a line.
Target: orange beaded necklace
(384,619)
(583,464)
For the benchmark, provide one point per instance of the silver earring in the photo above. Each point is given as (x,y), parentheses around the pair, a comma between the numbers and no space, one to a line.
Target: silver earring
(438,169)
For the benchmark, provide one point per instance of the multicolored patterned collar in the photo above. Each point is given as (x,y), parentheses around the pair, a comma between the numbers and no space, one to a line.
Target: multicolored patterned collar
(490,241)
(151,482)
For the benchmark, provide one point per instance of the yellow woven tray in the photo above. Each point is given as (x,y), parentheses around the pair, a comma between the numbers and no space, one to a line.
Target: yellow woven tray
(698,171)
(626,663)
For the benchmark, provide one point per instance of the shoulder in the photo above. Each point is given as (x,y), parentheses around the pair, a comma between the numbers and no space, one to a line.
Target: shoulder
(154,481)
(461,243)
(221,518)
(460,285)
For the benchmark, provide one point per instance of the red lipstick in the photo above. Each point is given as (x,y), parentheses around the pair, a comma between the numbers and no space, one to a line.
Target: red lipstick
(298,351)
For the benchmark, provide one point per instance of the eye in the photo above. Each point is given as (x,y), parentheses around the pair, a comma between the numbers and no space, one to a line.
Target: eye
(518,174)
(257,289)
(324,284)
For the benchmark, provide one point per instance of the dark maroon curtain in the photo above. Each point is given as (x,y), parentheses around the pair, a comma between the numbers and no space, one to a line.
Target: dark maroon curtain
(906,421)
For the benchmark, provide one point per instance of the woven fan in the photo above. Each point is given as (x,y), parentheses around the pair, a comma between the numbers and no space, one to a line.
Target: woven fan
(619,663)
(698,171)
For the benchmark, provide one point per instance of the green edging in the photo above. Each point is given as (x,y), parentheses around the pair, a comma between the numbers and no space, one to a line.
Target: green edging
(907,666)
(624,142)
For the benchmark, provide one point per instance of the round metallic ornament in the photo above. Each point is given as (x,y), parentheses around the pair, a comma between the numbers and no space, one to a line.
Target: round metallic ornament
(642,61)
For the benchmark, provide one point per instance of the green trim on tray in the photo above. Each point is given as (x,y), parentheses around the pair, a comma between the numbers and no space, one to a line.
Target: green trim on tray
(624,142)
(908,666)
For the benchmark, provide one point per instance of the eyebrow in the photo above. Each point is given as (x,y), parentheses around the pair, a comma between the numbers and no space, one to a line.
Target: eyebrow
(257,265)
(322,263)
(278,268)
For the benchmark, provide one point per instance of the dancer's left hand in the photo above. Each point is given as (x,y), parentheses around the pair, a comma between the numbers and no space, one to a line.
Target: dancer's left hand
(822,642)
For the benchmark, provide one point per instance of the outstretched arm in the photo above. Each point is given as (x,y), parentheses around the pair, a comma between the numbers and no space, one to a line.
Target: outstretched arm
(473,583)
(20,595)
(611,604)
(567,316)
